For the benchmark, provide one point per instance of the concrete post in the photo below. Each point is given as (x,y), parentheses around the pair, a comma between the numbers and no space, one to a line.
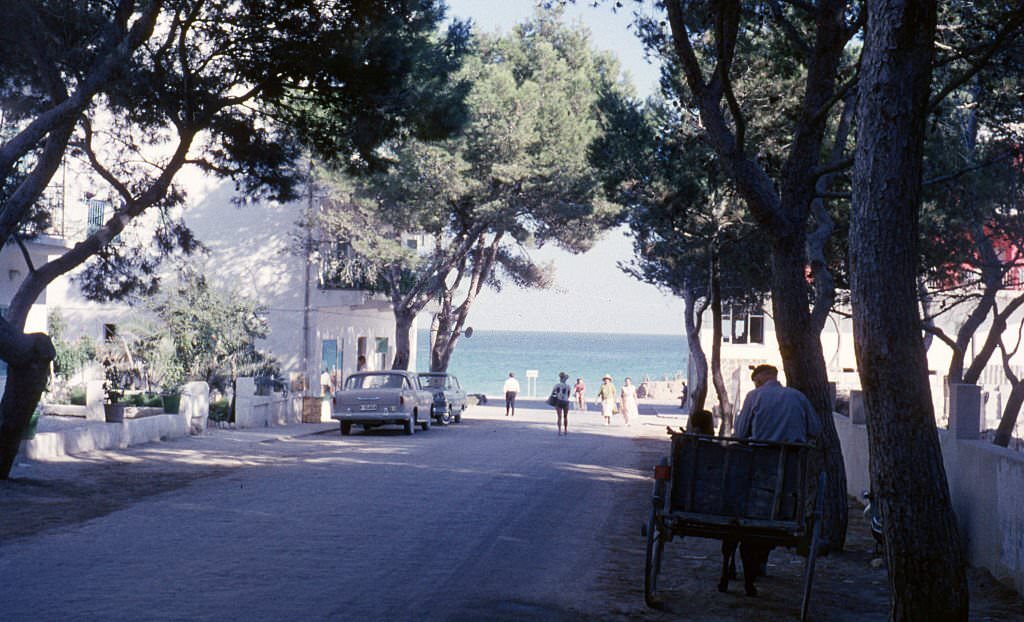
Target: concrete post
(195,406)
(858,411)
(965,411)
(94,401)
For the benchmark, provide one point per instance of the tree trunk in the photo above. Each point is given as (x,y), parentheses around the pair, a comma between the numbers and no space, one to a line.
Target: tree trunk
(26,381)
(922,546)
(1010,413)
(403,342)
(697,389)
(724,403)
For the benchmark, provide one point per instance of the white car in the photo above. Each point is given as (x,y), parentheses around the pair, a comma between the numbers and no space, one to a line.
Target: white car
(375,398)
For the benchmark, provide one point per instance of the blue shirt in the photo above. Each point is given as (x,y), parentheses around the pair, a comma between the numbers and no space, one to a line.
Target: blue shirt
(773,412)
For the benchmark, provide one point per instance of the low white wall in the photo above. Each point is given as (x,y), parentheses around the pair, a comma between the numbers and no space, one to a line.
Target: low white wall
(260,411)
(987,488)
(93,435)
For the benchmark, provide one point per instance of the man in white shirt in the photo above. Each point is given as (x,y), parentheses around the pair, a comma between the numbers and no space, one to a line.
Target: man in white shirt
(511,390)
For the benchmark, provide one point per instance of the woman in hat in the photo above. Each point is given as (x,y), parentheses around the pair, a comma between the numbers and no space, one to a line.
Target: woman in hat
(607,397)
(560,397)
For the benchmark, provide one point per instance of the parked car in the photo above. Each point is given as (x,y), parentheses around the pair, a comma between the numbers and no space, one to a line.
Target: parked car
(449,398)
(375,398)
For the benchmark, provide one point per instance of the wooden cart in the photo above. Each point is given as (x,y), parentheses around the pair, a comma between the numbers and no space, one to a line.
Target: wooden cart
(729,488)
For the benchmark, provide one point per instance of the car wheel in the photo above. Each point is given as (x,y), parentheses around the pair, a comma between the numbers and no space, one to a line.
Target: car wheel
(426,424)
(410,425)
(346,428)
(446,416)
(458,416)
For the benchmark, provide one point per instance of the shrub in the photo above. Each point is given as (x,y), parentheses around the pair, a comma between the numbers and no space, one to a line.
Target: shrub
(76,395)
(220,410)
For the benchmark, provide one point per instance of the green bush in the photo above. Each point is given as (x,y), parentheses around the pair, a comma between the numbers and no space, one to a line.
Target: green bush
(76,395)
(220,410)
(143,399)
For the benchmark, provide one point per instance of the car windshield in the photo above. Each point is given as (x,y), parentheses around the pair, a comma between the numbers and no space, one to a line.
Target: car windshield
(375,381)
(428,381)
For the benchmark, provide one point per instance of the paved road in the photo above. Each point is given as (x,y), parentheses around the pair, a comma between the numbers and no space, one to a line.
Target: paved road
(496,518)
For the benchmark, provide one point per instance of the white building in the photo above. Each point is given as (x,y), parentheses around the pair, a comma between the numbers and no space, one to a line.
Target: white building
(251,252)
(748,336)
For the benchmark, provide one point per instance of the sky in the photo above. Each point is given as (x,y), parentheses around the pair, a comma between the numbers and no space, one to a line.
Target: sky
(591,293)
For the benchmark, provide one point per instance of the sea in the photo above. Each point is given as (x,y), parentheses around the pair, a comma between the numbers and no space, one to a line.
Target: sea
(483,361)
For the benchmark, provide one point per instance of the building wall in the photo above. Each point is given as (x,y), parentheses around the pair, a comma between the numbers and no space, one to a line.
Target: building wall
(252,251)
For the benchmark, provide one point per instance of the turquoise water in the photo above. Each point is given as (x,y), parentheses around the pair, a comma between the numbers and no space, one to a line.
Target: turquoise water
(483,361)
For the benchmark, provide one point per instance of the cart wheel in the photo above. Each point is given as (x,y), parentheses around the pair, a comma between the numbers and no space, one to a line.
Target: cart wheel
(655,545)
(652,565)
(812,553)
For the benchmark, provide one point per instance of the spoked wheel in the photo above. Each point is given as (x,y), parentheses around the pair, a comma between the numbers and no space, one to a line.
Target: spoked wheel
(812,552)
(652,565)
(655,544)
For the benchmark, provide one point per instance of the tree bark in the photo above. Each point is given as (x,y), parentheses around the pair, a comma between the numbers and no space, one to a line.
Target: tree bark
(715,276)
(1011,411)
(698,388)
(922,546)
(26,381)
(403,340)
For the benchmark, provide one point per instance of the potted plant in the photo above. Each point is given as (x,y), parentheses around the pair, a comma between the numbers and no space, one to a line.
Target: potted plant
(113,391)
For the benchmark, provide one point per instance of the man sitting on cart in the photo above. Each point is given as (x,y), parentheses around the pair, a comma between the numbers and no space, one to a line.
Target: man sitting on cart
(772,412)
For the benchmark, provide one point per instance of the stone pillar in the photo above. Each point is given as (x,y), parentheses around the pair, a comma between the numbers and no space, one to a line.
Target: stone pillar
(195,406)
(965,411)
(94,401)
(858,411)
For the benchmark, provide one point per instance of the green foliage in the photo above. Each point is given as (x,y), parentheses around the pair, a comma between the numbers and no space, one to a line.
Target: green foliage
(516,178)
(220,410)
(211,332)
(76,395)
(72,356)
(681,209)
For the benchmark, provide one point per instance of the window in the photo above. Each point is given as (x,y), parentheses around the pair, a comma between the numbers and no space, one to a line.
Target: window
(97,208)
(382,352)
(742,324)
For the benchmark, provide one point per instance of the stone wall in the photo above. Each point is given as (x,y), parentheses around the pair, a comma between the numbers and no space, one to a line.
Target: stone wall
(986,483)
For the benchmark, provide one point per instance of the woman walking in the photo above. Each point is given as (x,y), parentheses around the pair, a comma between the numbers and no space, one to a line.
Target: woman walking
(581,394)
(607,396)
(560,397)
(627,400)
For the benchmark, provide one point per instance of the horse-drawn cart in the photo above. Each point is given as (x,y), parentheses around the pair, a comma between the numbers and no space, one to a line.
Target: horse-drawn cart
(734,490)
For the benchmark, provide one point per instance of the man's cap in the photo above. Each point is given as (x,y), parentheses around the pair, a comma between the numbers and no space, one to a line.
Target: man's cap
(764,368)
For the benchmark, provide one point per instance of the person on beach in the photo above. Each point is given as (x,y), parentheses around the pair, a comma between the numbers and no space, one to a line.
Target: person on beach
(627,400)
(511,391)
(581,394)
(607,397)
(560,394)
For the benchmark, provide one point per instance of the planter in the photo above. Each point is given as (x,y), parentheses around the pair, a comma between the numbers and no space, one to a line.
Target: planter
(172,402)
(113,413)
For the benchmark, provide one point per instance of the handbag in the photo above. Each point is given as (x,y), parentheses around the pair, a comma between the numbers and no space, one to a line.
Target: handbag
(552,400)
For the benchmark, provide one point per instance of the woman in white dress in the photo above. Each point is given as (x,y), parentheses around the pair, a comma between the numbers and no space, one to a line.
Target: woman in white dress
(627,400)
